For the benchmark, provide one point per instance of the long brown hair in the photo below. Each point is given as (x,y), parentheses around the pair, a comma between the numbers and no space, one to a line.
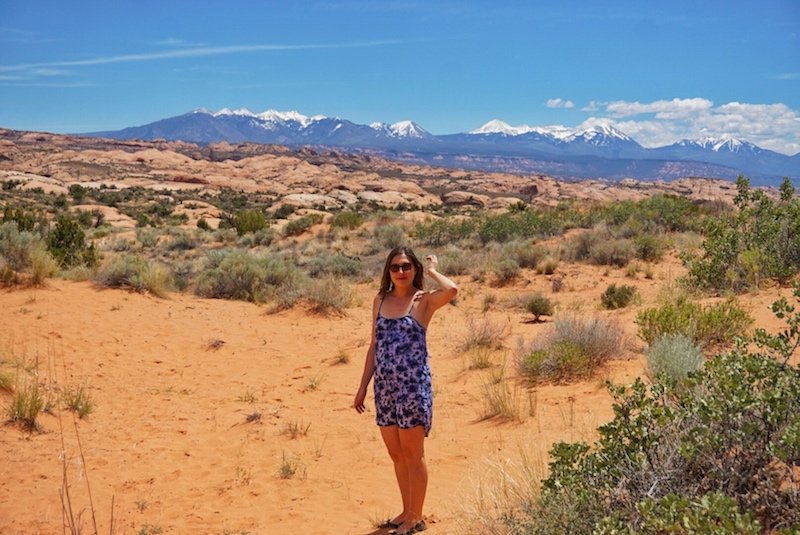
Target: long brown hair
(386,279)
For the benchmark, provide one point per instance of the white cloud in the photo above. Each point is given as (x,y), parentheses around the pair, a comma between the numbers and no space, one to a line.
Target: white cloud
(187,53)
(560,103)
(663,122)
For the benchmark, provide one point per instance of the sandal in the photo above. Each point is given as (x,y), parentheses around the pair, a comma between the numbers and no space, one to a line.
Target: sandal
(419,526)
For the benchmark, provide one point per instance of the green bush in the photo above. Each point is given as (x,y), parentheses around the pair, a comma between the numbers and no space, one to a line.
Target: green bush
(506,269)
(714,456)
(302,224)
(67,243)
(390,236)
(539,305)
(242,276)
(16,247)
(649,247)
(249,221)
(719,323)
(618,296)
(611,253)
(202,224)
(137,273)
(327,295)
(675,356)
(337,264)
(27,221)
(347,220)
(261,237)
(760,241)
(444,231)
(26,404)
(573,347)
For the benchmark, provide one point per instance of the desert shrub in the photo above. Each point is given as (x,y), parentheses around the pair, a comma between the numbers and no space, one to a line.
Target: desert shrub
(182,240)
(347,220)
(719,323)
(27,221)
(26,404)
(249,221)
(649,247)
(444,231)
(390,236)
(67,243)
(78,400)
(336,264)
(43,265)
(484,333)
(574,347)
(455,262)
(498,228)
(327,295)
(505,268)
(611,253)
(17,246)
(77,192)
(137,273)
(526,254)
(148,237)
(579,247)
(618,296)
(301,224)
(242,276)
(675,356)
(202,224)
(263,237)
(547,266)
(760,241)
(539,305)
(716,456)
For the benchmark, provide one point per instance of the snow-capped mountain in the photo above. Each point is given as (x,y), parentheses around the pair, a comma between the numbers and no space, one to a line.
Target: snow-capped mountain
(596,151)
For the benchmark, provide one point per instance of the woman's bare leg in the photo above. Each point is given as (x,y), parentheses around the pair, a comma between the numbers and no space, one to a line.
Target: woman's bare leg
(412,448)
(391,438)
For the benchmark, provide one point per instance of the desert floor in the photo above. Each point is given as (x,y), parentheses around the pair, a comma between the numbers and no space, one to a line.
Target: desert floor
(175,440)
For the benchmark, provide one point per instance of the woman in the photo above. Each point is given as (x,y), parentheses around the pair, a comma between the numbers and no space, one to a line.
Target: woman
(398,360)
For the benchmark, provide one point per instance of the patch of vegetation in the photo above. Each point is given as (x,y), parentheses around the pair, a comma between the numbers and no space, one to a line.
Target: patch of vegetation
(137,273)
(716,456)
(760,242)
(347,220)
(675,356)
(301,224)
(26,404)
(618,296)
(539,305)
(719,323)
(242,276)
(67,243)
(573,348)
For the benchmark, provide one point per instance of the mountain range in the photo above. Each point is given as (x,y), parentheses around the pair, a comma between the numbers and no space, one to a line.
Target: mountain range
(596,152)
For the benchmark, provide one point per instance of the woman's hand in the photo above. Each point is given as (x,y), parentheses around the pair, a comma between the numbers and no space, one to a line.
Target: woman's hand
(432,263)
(358,402)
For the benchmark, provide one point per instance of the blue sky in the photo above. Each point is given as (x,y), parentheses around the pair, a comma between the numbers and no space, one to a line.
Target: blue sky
(659,71)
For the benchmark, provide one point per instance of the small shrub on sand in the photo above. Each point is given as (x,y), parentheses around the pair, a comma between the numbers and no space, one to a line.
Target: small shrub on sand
(539,306)
(137,273)
(574,347)
(6,382)
(247,221)
(675,356)
(484,332)
(295,429)
(336,264)
(328,295)
(505,268)
(16,247)
(501,401)
(547,266)
(246,277)
(611,253)
(78,400)
(288,468)
(618,296)
(26,404)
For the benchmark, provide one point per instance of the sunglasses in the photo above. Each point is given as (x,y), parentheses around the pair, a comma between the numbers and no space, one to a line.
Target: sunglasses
(405,266)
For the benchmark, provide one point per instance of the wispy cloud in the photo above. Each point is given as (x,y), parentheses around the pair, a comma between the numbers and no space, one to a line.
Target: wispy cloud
(189,53)
(560,103)
(662,122)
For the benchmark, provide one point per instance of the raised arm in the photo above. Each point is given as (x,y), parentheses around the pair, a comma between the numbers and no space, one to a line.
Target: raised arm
(445,292)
